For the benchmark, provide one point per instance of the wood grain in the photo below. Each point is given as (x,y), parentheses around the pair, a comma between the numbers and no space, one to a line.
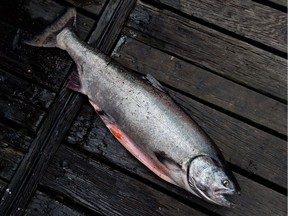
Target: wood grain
(201,83)
(43,147)
(14,138)
(109,27)
(46,67)
(20,112)
(245,146)
(94,7)
(9,161)
(42,204)
(222,54)
(89,134)
(26,91)
(2,185)
(34,15)
(110,192)
(252,20)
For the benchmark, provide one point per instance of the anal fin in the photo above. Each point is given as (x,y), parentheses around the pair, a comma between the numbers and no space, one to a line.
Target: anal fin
(74,83)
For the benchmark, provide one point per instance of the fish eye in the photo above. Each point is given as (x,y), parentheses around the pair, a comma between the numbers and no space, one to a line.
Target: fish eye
(225,183)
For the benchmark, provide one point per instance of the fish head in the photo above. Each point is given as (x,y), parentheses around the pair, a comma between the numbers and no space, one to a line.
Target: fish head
(211,180)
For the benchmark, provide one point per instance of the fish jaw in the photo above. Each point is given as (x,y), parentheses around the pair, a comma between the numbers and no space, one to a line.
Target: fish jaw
(209,178)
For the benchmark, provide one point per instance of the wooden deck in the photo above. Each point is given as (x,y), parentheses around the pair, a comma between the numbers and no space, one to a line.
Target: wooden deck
(224,62)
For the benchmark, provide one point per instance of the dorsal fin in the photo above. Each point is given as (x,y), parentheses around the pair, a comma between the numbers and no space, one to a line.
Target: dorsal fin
(154,82)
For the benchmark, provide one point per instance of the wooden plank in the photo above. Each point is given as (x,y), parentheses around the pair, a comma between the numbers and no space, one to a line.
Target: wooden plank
(20,112)
(47,67)
(243,145)
(222,54)
(201,83)
(3,185)
(35,162)
(42,204)
(247,18)
(9,161)
(34,15)
(90,134)
(15,138)
(108,192)
(94,7)
(49,137)
(26,91)
(110,24)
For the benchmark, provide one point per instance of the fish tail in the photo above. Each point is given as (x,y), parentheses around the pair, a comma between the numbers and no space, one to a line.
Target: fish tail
(48,38)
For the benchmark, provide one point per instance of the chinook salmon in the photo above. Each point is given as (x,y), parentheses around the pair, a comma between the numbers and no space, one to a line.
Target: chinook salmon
(143,117)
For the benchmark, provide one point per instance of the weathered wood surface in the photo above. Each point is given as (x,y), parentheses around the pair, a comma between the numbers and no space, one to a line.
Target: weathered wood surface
(246,18)
(222,54)
(34,15)
(244,146)
(107,191)
(47,67)
(9,161)
(44,67)
(110,24)
(26,91)
(14,138)
(2,185)
(44,146)
(94,7)
(20,112)
(200,83)
(94,171)
(42,204)
(90,134)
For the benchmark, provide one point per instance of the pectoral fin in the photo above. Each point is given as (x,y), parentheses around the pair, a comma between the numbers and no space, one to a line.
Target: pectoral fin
(168,162)
(154,82)
(135,150)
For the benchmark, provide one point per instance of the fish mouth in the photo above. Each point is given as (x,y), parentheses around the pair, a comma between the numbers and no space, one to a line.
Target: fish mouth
(220,197)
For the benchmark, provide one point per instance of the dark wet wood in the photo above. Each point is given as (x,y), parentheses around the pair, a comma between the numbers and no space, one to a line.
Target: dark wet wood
(243,145)
(9,161)
(233,89)
(110,192)
(222,54)
(15,138)
(42,204)
(2,185)
(201,83)
(110,25)
(246,18)
(25,91)
(42,149)
(47,68)
(94,7)
(89,134)
(20,112)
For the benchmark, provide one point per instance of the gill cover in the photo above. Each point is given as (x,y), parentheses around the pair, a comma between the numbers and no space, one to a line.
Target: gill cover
(211,180)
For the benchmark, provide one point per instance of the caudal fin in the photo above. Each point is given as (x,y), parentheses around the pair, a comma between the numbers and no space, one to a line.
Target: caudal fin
(48,37)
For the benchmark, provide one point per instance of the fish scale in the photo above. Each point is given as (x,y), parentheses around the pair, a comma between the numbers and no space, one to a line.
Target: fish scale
(144,118)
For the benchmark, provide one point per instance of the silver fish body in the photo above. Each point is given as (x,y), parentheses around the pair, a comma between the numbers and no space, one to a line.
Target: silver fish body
(143,117)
